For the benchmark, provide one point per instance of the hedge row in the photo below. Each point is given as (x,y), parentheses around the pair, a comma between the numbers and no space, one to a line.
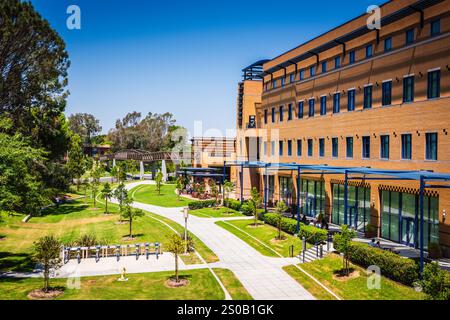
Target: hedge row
(312,234)
(194,205)
(392,266)
(232,204)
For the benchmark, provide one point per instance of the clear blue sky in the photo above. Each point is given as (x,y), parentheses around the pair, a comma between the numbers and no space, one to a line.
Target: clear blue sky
(180,56)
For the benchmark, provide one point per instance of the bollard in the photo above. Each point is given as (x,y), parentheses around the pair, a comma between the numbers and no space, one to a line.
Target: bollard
(321,251)
(137,251)
(328,241)
(147,250)
(304,248)
(157,250)
(317,250)
(79,255)
(98,254)
(118,253)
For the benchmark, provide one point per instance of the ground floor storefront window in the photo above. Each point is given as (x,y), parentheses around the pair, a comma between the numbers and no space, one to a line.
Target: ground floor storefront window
(400,218)
(358,202)
(312,197)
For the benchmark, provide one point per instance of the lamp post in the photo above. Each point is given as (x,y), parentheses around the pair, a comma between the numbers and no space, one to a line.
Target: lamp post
(186,216)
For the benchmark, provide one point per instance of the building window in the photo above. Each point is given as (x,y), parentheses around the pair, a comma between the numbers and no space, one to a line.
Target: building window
(366,147)
(300,109)
(336,103)
(349,145)
(273,115)
(369,51)
(274,86)
(312,71)
(290,112)
(265,116)
(352,57)
(323,105)
(387,44)
(408,89)
(280,147)
(324,67)
(386,98)
(384,147)
(406,146)
(335,147)
(367,97)
(292,78)
(299,148)
(312,197)
(435,27)
(311,107)
(351,100)
(310,147)
(337,62)
(272,148)
(322,147)
(431,146)
(434,84)
(289,148)
(409,36)
(281,113)
(302,75)
(283,80)
(265,148)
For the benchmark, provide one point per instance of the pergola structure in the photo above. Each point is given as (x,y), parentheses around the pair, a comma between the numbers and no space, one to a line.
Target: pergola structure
(426,179)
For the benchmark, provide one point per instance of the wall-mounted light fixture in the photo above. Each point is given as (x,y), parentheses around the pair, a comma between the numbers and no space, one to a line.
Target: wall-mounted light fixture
(444,215)
(445,132)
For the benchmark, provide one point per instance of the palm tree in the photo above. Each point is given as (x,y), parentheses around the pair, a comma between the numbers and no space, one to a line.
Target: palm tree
(106,194)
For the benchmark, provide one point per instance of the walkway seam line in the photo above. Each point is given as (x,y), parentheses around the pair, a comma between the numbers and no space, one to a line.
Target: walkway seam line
(318,282)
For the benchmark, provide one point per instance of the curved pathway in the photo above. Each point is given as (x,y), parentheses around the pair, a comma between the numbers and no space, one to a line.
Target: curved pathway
(262,276)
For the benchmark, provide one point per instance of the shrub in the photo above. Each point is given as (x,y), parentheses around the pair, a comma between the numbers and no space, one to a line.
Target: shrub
(313,234)
(288,225)
(392,266)
(435,282)
(232,204)
(194,205)
(246,210)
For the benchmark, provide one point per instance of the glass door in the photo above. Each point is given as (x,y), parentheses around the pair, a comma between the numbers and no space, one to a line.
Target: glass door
(408,228)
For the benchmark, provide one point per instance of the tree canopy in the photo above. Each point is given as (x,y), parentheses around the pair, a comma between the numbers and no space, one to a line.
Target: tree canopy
(86,126)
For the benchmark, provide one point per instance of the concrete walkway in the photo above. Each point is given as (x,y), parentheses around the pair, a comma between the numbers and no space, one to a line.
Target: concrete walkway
(261,276)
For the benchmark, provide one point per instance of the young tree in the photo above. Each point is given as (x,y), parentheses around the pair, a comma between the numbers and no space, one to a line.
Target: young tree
(96,173)
(343,245)
(228,188)
(176,245)
(85,183)
(76,163)
(131,214)
(106,194)
(280,210)
(254,203)
(214,192)
(179,186)
(114,172)
(158,180)
(47,252)
(121,194)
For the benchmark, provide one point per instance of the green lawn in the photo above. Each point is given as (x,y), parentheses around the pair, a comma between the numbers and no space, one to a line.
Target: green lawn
(233,285)
(220,212)
(168,198)
(352,289)
(149,286)
(264,233)
(70,221)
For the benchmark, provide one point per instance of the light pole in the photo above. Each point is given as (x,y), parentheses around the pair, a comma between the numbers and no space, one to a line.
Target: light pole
(186,216)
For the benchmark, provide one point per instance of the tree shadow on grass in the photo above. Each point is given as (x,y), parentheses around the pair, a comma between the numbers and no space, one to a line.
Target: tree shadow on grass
(17,262)
(64,209)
